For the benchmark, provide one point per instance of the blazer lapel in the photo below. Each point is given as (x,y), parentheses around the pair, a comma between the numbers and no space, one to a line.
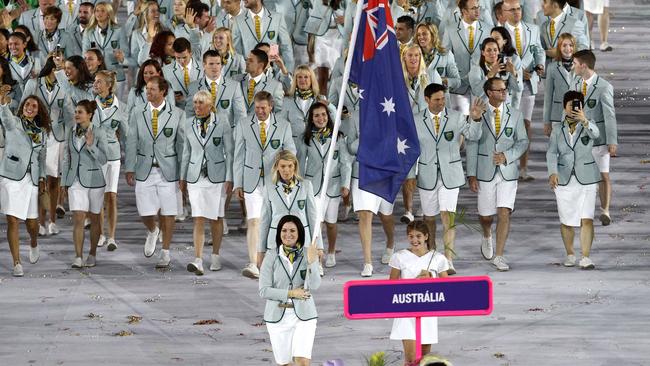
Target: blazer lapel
(167,115)
(181,82)
(281,195)
(255,127)
(427,123)
(488,124)
(146,117)
(593,88)
(561,70)
(443,125)
(269,19)
(461,33)
(505,121)
(248,20)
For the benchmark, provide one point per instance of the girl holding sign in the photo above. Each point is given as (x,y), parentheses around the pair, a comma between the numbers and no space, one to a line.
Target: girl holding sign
(420,260)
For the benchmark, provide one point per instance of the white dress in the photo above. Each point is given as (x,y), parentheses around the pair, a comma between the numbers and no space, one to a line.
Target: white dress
(410,266)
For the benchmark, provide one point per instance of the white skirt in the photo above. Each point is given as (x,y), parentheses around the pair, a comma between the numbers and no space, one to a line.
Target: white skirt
(328,48)
(85,199)
(330,208)
(575,202)
(207,199)
(595,6)
(53,154)
(404,328)
(19,198)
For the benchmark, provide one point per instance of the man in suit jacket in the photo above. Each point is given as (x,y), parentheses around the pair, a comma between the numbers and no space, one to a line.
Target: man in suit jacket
(256,143)
(464,38)
(227,97)
(76,29)
(526,40)
(599,107)
(492,167)
(255,81)
(557,22)
(440,169)
(260,24)
(153,155)
(182,72)
(229,10)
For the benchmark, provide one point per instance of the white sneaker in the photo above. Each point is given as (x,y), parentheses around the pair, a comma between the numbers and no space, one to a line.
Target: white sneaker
(226,229)
(500,263)
(331,260)
(90,261)
(367,270)
(605,47)
(34,254)
(419,214)
(18,270)
(407,218)
(101,241)
(215,264)
(570,261)
(487,249)
(385,258)
(321,271)
(586,263)
(150,243)
(111,245)
(52,229)
(451,271)
(42,231)
(251,271)
(196,267)
(77,263)
(164,260)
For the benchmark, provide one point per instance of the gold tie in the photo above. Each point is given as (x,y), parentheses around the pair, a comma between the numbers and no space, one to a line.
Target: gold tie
(251,90)
(497,122)
(213,91)
(186,76)
(471,38)
(552,29)
(70,7)
(263,133)
(436,120)
(258,27)
(584,88)
(520,51)
(154,122)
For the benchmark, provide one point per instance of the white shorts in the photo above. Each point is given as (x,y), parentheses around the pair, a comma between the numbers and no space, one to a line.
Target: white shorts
(330,210)
(496,193)
(526,104)
(404,328)
(575,202)
(206,199)
(53,154)
(19,198)
(366,201)
(438,199)
(85,199)
(601,156)
(156,194)
(595,6)
(111,172)
(460,102)
(291,337)
(253,202)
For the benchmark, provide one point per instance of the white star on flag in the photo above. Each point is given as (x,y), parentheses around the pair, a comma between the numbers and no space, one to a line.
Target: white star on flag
(361,93)
(402,146)
(389,106)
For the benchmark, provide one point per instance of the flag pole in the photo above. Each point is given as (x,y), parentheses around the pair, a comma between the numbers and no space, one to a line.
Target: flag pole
(337,120)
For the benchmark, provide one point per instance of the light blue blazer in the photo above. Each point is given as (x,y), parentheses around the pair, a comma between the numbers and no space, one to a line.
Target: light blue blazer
(230,102)
(533,53)
(313,158)
(30,70)
(176,77)
(112,120)
(84,163)
(267,84)
(567,24)
(115,39)
(296,14)
(216,150)
(455,39)
(20,154)
(566,158)
(558,82)
(56,106)
(445,66)
(63,39)
(599,107)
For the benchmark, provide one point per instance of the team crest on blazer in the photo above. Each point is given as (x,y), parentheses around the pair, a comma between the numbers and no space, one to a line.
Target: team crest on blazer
(508,131)
(336,154)
(224,103)
(168,132)
(115,44)
(301,204)
(216,141)
(440,70)
(449,135)
(591,103)
(271,34)
(428,20)
(275,144)
(306,4)
(115,123)
(233,73)
(59,102)
(585,140)
(303,273)
(163,10)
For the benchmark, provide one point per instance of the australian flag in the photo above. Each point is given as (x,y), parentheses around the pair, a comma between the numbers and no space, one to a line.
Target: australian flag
(388,142)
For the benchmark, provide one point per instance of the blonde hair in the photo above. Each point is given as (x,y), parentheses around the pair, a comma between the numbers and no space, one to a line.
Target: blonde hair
(288,156)
(205,96)
(111,15)
(312,76)
(142,21)
(560,39)
(110,78)
(228,32)
(435,36)
(422,70)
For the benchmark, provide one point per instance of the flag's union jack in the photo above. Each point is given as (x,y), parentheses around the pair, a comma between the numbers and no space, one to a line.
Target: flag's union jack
(379,22)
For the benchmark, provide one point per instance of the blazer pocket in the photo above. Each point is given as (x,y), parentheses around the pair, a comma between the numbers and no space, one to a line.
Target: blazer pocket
(170,156)
(455,161)
(592,162)
(93,170)
(479,154)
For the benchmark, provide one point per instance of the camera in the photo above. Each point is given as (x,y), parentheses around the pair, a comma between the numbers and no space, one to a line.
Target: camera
(576,105)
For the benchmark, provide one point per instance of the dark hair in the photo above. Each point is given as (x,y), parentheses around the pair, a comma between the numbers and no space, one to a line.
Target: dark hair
(433,88)
(462,4)
(586,57)
(508,48)
(89,105)
(42,118)
(55,12)
(211,53)
(407,20)
(28,37)
(181,45)
(497,8)
(5,32)
(572,95)
(261,56)
(285,219)
(334,4)
(48,67)
(307,135)
(560,3)
(262,96)
(419,225)
(85,79)
(261,44)
(87,3)
(158,44)
(484,44)
(139,83)
(7,78)
(100,57)
(162,83)
(490,82)
(199,7)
